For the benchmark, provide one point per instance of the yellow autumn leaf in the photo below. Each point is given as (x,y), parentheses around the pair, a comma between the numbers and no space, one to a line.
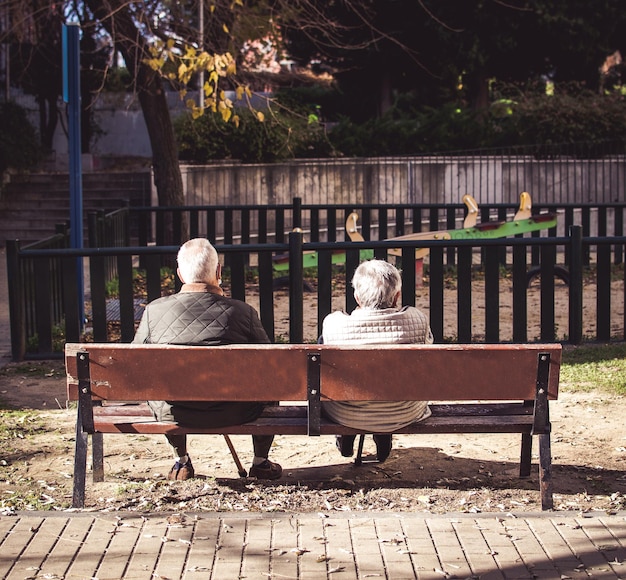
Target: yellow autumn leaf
(212,8)
(226,114)
(182,69)
(170,43)
(208,89)
(248,91)
(236,120)
(231,69)
(239,92)
(196,112)
(260,116)
(153,63)
(225,28)
(190,103)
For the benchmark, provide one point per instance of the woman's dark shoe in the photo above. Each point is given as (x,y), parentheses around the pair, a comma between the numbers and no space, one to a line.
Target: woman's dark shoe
(345,444)
(383,446)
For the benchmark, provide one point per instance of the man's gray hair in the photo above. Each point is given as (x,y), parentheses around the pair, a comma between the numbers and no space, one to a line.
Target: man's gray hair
(376,284)
(197,261)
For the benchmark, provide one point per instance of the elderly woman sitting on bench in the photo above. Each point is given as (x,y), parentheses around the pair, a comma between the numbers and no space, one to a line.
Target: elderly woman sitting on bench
(378,319)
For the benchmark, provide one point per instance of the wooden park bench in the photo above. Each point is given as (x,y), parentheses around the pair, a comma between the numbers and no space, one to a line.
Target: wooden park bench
(475,388)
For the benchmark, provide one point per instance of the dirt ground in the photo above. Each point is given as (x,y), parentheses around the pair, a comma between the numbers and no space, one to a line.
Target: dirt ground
(436,474)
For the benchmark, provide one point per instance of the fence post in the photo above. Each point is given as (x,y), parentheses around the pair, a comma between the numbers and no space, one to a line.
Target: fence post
(576,285)
(16,306)
(297,212)
(296,293)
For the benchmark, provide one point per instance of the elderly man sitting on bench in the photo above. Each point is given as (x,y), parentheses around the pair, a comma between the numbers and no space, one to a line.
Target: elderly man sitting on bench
(201,315)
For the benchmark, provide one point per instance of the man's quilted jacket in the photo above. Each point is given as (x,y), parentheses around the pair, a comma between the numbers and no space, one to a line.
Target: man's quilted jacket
(199,315)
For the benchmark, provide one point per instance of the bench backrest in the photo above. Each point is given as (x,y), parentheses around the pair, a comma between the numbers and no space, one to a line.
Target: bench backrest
(287,372)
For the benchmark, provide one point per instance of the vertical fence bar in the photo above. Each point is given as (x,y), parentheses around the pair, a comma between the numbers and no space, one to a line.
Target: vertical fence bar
(238,275)
(280,225)
(492,294)
(296,293)
(72,294)
(43,304)
(97,279)
(408,276)
(548,257)
(352,263)
(436,285)
(603,293)
(520,295)
(16,300)
(464,295)
(126,298)
(575,285)
(619,231)
(451,225)
(324,287)
(266,293)
(314,225)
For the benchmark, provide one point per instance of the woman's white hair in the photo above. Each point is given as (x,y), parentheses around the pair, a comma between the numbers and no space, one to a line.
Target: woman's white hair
(376,284)
(197,261)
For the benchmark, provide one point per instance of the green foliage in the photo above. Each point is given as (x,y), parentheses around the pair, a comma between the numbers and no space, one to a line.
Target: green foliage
(280,136)
(531,117)
(444,129)
(19,145)
(591,367)
(570,115)
(58,339)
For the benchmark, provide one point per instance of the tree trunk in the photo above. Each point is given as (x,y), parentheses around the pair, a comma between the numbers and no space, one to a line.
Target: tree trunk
(118,21)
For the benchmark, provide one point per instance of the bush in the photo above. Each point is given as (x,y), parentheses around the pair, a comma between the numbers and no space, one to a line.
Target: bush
(278,137)
(19,145)
(567,117)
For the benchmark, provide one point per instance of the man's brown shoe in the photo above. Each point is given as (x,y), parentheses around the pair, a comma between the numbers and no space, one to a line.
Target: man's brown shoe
(181,471)
(266,470)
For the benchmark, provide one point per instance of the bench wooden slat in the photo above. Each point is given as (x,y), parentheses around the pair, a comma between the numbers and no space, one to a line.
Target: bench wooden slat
(299,426)
(445,409)
(404,372)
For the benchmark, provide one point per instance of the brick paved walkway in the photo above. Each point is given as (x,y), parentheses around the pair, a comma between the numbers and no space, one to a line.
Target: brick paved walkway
(336,546)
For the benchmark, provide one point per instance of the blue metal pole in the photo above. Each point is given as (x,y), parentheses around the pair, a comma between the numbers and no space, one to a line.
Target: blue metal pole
(71,95)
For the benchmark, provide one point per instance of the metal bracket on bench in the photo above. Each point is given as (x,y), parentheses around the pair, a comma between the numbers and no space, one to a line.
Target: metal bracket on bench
(85,405)
(313,387)
(541,417)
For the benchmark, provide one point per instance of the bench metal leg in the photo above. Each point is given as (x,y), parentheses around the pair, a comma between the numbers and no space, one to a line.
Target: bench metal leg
(526,455)
(80,466)
(545,472)
(97,450)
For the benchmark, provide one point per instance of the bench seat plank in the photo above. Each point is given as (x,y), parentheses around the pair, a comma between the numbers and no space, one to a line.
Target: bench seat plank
(292,420)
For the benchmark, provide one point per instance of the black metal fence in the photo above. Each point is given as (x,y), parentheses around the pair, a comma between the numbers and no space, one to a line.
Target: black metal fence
(479,270)
(272,223)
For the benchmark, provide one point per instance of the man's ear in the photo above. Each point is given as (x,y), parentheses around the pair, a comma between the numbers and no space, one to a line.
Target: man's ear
(218,272)
(178,273)
(396,298)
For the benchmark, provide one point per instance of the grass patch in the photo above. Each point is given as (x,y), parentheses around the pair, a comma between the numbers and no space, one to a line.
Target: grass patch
(590,367)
